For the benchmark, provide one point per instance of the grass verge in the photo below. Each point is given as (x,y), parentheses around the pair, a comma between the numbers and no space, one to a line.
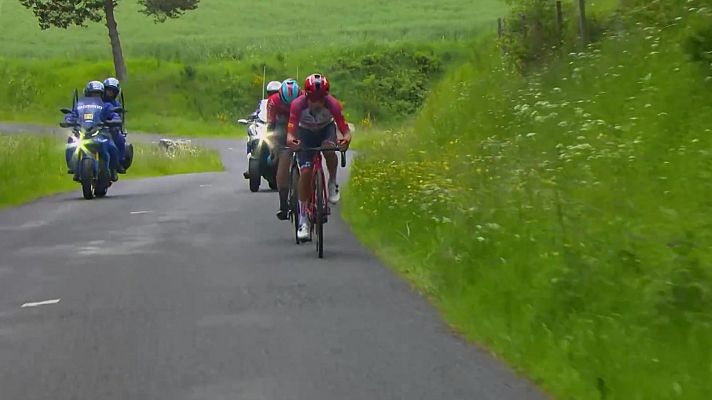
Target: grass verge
(33,166)
(561,219)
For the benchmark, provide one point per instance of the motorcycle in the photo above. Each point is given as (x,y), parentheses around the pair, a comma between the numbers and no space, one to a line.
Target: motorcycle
(90,136)
(262,150)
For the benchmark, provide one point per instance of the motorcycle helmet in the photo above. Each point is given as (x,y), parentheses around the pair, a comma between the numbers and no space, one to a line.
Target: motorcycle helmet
(273,87)
(112,83)
(289,91)
(94,88)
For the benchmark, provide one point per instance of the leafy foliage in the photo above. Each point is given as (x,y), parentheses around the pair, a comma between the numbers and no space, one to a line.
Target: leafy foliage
(164,9)
(65,13)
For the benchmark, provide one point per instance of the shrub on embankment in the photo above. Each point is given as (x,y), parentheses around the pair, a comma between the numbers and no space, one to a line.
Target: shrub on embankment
(379,83)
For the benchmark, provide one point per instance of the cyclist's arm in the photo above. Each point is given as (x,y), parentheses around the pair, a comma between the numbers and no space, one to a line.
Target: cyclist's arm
(295,112)
(338,113)
(271,114)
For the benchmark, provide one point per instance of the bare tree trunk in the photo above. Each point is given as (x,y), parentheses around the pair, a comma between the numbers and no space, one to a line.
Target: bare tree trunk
(119,64)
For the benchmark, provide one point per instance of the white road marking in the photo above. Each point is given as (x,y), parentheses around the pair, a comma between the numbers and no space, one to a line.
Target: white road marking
(140,212)
(209,185)
(40,303)
(229,148)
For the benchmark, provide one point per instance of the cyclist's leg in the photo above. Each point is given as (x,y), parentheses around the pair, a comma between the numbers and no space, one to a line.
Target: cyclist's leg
(332,160)
(304,159)
(308,139)
(282,170)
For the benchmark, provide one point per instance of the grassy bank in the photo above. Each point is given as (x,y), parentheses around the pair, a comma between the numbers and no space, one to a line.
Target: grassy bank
(562,219)
(33,166)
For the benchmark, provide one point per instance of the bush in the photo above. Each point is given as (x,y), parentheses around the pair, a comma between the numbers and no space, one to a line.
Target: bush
(384,83)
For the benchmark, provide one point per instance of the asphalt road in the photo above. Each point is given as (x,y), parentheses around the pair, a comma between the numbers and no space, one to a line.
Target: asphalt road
(187,287)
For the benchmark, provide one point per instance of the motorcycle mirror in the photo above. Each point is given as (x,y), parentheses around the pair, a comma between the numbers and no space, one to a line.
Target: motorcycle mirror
(65,110)
(118,110)
(114,123)
(243,121)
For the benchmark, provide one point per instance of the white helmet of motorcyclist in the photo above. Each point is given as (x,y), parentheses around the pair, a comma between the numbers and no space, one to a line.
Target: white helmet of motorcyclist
(273,87)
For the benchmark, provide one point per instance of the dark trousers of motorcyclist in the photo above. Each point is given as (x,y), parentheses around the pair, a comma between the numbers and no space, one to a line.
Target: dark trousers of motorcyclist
(111,158)
(120,143)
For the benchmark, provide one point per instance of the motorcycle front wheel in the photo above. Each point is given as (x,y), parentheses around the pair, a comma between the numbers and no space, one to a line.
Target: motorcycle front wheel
(253,170)
(87,178)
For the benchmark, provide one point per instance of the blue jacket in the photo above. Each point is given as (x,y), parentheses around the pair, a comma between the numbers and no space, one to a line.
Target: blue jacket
(113,103)
(87,105)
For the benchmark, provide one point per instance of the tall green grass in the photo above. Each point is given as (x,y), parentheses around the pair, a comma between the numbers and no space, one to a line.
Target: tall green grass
(561,219)
(34,166)
(237,29)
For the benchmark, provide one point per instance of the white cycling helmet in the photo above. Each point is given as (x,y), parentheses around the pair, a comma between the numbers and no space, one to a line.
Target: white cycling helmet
(273,87)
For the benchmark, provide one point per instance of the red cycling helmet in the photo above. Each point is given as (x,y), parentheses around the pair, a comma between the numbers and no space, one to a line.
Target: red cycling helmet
(316,87)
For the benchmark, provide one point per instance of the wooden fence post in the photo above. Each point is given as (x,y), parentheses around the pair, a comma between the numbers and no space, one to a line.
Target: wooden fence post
(582,23)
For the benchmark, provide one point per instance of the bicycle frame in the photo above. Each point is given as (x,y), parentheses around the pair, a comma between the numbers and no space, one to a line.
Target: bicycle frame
(317,207)
(317,169)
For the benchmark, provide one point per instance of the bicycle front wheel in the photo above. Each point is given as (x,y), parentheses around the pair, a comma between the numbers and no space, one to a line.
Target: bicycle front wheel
(320,208)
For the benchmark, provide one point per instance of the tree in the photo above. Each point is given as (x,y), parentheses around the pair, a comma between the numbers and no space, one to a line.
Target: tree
(66,13)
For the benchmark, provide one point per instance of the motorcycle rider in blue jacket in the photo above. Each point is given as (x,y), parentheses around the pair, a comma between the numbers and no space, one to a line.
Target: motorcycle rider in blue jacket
(112,88)
(109,151)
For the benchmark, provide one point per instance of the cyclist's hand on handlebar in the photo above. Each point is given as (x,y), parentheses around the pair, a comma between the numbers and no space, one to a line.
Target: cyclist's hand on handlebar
(345,141)
(292,141)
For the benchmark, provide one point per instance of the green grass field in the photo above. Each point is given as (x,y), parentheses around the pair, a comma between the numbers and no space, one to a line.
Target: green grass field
(562,219)
(196,75)
(234,29)
(33,166)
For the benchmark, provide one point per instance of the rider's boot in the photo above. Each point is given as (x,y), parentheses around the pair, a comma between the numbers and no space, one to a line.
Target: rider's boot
(120,169)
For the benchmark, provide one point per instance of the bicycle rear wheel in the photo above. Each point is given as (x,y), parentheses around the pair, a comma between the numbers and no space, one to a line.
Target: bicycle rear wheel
(320,208)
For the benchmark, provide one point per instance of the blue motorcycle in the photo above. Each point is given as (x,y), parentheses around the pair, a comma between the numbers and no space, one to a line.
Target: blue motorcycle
(89,143)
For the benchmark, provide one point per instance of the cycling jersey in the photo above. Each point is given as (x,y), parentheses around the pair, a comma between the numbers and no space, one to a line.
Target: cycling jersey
(277,111)
(301,116)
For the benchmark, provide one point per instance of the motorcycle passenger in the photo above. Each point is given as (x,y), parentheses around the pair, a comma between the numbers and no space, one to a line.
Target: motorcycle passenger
(270,89)
(112,88)
(313,119)
(109,153)
(278,106)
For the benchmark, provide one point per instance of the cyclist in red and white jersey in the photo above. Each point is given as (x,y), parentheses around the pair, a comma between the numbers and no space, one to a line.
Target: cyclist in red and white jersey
(313,119)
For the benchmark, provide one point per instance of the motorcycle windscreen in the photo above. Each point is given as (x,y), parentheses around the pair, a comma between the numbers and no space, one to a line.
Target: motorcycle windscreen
(89,111)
